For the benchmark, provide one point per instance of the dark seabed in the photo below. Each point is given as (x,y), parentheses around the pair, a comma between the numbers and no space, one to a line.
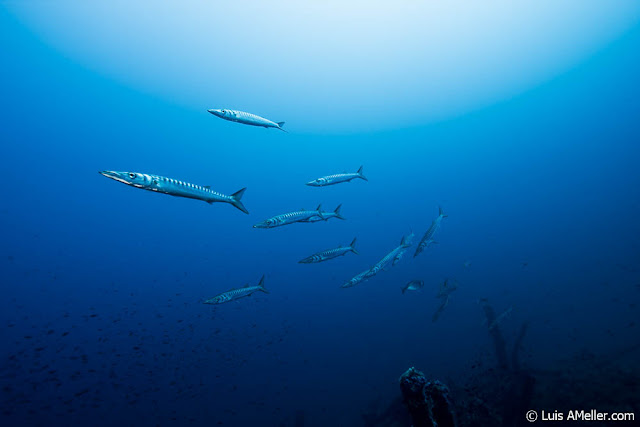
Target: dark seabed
(102,320)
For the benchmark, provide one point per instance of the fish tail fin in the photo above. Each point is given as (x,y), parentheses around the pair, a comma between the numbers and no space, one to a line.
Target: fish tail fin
(360,175)
(404,242)
(404,289)
(353,246)
(280,125)
(441,212)
(337,212)
(261,285)
(235,200)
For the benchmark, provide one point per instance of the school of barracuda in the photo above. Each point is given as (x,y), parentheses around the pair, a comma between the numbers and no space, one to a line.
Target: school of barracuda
(178,188)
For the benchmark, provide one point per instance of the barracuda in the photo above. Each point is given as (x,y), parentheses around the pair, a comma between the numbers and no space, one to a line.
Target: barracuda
(237,293)
(174,187)
(359,278)
(414,285)
(246,118)
(427,239)
(409,241)
(337,178)
(380,265)
(291,217)
(330,254)
(326,215)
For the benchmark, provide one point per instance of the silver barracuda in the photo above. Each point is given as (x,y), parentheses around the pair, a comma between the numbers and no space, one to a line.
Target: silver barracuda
(337,178)
(409,241)
(359,278)
(246,118)
(289,218)
(388,258)
(174,187)
(237,293)
(326,215)
(427,239)
(330,254)
(414,285)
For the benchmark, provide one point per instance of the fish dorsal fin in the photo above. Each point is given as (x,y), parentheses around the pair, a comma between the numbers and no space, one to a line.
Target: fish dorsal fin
(208,187)
(246,286)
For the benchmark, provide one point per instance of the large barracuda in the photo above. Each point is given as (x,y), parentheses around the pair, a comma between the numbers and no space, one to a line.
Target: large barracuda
(330,254)
(409,241)
(388,258)
(291,217)
(246,118)
(237,293)
(174,187)
(359,278)
(427,239)
(326,215)
(337,178)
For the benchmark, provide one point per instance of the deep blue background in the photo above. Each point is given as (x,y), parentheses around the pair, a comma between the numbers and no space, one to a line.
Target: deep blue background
(549,178)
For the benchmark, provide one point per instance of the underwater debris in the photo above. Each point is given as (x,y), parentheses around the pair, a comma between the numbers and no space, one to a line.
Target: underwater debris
(428,402)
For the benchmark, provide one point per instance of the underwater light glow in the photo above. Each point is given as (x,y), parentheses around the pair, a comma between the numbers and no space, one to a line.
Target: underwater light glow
(331,66)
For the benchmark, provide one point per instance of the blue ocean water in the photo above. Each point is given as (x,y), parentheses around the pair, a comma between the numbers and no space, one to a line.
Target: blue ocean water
(102,319)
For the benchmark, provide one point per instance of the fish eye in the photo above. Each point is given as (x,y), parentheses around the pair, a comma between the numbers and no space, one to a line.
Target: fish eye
(132,175)
(223,111)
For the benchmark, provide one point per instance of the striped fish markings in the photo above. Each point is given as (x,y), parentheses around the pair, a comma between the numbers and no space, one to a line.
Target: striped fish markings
(246,118)
(237,293)
(326,215)
(174,187)
(427,239)
(388,258)
(359,278)
(409,241)
(330,254)
(337,178)
(289,218)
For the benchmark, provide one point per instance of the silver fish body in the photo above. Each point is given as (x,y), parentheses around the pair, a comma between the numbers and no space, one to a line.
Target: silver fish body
(337,178)
(359,278)
(237,293)
(175,187)
(246,118)
(427,239)
(414,285)
(400,253)
(327,215)
(388,258)
(330,254)
(290,218)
